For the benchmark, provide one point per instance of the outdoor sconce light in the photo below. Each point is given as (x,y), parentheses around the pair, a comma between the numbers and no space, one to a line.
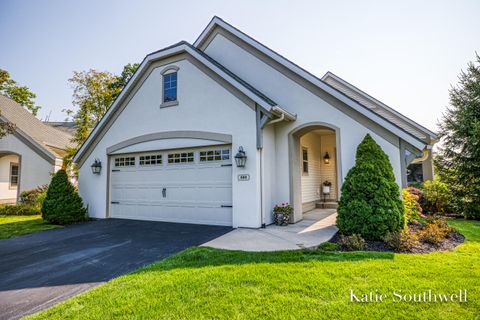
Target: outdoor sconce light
(96,167)
(326,158)
(240,158)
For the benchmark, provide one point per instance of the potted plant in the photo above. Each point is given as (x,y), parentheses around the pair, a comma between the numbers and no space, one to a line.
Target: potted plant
(327,185)
(282,214)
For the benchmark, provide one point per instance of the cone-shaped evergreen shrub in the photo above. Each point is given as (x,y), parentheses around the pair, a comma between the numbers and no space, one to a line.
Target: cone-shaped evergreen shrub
(370,203)
(62,205)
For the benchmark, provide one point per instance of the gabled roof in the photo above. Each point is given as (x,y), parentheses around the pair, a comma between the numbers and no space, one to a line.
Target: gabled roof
(50,141)
(374,116)
(182,47)
(379,107)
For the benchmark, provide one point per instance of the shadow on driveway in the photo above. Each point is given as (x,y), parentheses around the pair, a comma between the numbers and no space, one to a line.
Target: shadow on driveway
(41,269)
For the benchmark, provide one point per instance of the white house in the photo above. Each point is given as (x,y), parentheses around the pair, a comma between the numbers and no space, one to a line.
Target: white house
(30,155)
(167,145)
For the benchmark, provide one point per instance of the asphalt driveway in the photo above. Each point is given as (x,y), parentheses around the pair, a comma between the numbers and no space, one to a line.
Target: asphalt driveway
(42,269)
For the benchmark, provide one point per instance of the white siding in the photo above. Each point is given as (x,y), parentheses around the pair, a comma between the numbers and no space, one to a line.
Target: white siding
(311,182)
(204,105)
(328,171)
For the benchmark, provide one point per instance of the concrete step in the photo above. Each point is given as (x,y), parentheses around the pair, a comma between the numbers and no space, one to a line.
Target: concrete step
(327,204)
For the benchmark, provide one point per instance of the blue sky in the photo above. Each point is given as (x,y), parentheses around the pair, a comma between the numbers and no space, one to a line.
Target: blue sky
(405,53)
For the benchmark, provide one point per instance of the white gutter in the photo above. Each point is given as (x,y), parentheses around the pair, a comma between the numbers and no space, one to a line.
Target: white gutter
(283,115)
(424,156)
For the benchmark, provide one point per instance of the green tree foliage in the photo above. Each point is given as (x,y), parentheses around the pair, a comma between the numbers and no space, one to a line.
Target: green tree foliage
(21,94)
(122,80)
(459,157)
(92,96)
(93,93)
(370,204)
(62,205)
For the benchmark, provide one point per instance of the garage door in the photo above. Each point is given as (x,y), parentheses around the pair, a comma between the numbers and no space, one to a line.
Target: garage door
(188,186)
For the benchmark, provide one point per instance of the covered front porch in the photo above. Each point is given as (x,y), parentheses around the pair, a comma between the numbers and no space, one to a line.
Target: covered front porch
(316,227)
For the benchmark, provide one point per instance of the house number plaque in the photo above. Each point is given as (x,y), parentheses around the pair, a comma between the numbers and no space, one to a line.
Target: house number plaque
(243,177)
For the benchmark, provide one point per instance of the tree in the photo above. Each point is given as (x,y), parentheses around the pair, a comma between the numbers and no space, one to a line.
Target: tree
(62,204)
(6,128)
(458,158)
(370,203)
(21,94)
(122,80)
(93,93)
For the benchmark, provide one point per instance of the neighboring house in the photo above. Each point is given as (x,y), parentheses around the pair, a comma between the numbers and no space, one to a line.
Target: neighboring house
(29,156)
(167,145)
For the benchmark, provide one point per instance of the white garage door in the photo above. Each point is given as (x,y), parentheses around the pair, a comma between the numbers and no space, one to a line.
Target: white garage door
(188,186)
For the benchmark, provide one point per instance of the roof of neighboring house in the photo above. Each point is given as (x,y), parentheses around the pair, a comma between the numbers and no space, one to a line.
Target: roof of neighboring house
(65,126)
(379,107)
(53,141)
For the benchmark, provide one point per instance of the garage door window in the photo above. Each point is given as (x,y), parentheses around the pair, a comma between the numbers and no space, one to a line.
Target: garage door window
(214,155)
(182,157)
(125,162)
(150,160)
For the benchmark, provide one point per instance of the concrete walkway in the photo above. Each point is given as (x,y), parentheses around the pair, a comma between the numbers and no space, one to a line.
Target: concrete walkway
(316,227)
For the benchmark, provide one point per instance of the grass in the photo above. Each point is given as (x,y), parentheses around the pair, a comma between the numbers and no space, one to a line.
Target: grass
(12,226)
(205,283)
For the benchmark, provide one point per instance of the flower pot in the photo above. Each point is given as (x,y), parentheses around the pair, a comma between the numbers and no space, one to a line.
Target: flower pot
(280,218)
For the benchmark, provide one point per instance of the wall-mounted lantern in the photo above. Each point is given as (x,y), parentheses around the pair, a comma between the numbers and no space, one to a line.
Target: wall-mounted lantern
(240,158)
(96,167)
(326,158)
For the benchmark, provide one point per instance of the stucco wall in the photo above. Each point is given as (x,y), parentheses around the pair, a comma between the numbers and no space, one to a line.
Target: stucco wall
(204,105)
(328,171)
(309,107)
(34,170)
(269,173)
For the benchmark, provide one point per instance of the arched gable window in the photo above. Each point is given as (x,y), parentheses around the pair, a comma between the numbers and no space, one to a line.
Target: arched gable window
(170,86)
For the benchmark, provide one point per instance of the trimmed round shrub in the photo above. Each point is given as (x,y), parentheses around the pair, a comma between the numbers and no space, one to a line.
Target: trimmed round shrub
(63,205)
(370,203)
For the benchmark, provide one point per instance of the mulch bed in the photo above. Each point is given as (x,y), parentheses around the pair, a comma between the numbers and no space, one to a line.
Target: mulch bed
(453,240)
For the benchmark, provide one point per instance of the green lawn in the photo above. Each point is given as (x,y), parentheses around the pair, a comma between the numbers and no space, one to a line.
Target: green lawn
(204,283)
(12,226)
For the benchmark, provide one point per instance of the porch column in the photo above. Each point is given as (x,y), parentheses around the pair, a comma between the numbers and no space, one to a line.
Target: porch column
(427,167)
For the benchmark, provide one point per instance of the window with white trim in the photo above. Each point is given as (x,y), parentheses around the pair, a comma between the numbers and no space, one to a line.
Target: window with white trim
(305,161)
(125,162)
(181,157)
(215,155)
(14,173)
(150,160)
(170,87)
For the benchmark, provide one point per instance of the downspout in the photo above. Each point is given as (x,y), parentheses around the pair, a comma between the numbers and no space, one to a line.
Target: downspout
(282,117)
(423,157)
(262,214)
(260,124)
